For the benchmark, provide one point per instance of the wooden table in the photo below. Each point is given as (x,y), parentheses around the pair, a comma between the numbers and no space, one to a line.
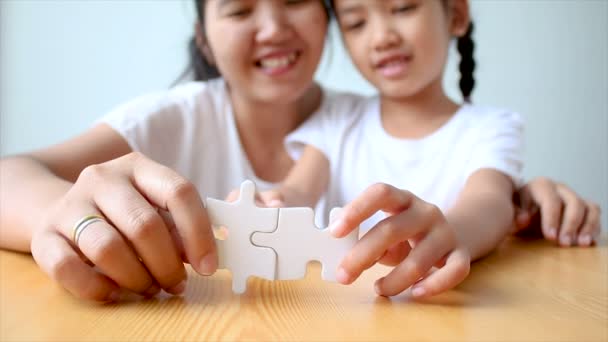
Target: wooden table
(526,290)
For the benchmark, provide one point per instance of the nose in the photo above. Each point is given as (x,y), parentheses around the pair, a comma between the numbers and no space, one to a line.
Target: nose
(273,24)
(385,36)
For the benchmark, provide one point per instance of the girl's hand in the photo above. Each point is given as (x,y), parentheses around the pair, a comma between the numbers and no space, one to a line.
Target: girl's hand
(414,237)
(153,220)
(263,199)
(565,218)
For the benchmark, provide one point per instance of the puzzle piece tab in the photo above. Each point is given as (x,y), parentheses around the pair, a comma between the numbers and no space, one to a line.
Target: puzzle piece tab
(297,241)
(236,253)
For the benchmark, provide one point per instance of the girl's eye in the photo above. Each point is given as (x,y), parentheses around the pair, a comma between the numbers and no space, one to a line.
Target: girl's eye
(404,9)
(240,12)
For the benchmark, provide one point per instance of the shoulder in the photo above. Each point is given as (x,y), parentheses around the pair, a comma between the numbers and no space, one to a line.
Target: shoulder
(182,101)
(341,106)
(485,119)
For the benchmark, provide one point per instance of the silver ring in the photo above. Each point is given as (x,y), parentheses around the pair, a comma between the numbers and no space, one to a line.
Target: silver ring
(83,223)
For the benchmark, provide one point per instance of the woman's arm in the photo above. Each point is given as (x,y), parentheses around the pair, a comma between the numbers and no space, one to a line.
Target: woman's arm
(31,183)
(131,244)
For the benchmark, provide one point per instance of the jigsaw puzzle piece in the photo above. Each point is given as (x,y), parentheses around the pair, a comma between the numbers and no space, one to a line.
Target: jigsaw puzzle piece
(297,241)
(236,253)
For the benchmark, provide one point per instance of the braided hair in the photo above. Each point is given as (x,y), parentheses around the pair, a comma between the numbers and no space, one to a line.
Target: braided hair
(465,47)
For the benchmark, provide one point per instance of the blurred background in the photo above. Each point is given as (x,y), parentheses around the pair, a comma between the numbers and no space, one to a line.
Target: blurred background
(65,63)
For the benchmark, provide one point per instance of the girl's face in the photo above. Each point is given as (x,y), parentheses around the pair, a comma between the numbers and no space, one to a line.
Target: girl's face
(401,46)
(267,50)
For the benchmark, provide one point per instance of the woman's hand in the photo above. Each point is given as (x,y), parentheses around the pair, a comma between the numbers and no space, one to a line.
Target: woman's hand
(414,237)
(565,218)
(152,220)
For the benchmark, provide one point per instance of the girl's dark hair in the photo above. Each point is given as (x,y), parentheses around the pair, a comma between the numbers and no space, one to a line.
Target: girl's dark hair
(199,67)
(466,47)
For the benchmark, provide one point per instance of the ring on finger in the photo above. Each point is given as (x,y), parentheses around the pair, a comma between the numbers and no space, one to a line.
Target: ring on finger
(83,223)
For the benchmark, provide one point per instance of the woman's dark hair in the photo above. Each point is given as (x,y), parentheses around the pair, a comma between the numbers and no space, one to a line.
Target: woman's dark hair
(466,47)
(199,67)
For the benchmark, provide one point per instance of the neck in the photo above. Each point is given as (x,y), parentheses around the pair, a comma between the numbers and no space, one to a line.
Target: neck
(263,126)
(418,115)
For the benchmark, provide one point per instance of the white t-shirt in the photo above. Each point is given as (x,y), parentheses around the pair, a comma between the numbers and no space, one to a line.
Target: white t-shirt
(191,129)
(435,168)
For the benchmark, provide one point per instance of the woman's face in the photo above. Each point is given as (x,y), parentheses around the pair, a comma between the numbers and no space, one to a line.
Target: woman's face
(266,50)
(400,46)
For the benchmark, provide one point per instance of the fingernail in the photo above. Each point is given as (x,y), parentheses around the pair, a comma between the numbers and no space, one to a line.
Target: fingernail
(208,264)
(152,291)
(377,287)
(334,226)
(553,233)
(342,276)
(584,240)
(565,240)
(418,291)
(178,289)
(275,203)
(114,296)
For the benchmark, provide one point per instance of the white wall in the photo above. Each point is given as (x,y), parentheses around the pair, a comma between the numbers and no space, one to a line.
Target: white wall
(64,63)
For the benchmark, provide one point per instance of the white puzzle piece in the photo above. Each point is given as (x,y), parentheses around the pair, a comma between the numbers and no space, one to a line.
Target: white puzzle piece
(297,240)
(236,253)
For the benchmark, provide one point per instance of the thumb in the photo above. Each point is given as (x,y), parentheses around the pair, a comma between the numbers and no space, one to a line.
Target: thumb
(233,195)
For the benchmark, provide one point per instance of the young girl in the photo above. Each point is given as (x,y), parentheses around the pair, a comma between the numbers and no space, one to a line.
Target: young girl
(130,186)
(464,159)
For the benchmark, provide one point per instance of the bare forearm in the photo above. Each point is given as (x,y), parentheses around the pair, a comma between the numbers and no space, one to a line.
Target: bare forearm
(307,181)
(27,189)
(481,224)
(295,196)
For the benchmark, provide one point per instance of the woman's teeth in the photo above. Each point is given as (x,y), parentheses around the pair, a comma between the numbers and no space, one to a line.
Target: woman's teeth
(278,62)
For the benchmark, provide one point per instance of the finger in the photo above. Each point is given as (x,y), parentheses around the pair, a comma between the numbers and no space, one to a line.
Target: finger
(233,196)
(144,228)
(103,245)
(177,241)
(523,198)
(56,258)
(373,245)
(522,220)
(417,264)
(591,227)
(455,270)
(573,216)
(544,193)
(168,190)
(395,254)
(377,197)
(272,199)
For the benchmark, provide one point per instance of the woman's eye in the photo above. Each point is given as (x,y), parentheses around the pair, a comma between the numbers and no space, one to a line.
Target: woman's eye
(294,2)
(354,25)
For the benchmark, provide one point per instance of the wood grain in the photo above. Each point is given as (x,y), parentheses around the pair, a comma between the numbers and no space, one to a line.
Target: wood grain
(526,291)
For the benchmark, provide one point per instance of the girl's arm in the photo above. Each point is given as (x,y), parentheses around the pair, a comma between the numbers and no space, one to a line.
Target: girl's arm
(416,235)
(303,187)
(483,213)
(307,180)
